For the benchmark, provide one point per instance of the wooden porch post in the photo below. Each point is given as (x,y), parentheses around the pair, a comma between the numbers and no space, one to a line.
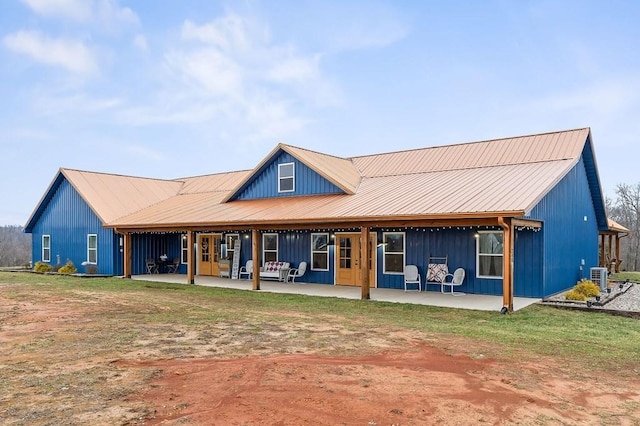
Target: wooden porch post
(127,255)
(617,268)
(602,261)
(364,263)
(507,264)
(255,256)
(191,258)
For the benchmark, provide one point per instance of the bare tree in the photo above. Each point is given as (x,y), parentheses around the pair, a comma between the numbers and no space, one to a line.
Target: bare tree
(626,211)
(15,246)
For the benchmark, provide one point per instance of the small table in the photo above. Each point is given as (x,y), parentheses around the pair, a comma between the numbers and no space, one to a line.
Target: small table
(162,265)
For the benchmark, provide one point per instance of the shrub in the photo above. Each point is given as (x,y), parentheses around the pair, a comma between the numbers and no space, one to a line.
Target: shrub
(588,288)
(68,268)
(42,267)
(575,295)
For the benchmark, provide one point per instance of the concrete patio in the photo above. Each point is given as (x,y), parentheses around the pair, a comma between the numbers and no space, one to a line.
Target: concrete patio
(430,298)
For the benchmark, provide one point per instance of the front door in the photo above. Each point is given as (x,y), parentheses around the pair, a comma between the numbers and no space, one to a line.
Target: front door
(209,249)
(348,259)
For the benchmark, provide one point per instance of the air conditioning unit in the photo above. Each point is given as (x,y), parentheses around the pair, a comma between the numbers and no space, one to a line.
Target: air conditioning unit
(599,277)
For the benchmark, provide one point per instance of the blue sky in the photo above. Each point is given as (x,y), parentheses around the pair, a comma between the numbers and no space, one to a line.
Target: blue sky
(183,88)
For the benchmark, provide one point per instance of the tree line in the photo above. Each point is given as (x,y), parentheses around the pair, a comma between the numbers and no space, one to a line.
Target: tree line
(625,209)
(15,246)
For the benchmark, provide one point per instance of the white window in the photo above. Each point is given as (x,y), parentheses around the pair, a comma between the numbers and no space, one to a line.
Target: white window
(92,249)
(393,260)
(320,252)
(231,240)
(489,254)
(184,251)
(46,248)
(286,177)
(270,247)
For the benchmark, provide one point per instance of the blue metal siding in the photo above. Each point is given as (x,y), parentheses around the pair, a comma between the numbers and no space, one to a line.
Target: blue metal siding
(458,243)
(528,273)
(69,220)
(569,239)
(307,181)
(152,246)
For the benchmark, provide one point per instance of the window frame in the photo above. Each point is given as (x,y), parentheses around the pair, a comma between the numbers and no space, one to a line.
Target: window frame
(281,178)
(479,255)
(184,249)
(48,248)
(385,252)
(265,250)
(90,249)
(325,251)
(229,252)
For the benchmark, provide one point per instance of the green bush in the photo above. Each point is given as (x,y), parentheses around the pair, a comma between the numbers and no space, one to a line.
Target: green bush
(588,288)
(575,295)
(42,267)
(68,268)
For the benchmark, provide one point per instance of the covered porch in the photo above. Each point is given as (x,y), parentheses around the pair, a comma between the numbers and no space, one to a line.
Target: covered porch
(430,298)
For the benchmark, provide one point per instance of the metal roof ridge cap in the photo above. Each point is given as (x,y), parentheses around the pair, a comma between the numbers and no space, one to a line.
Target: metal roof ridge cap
(470,142)
(470,168)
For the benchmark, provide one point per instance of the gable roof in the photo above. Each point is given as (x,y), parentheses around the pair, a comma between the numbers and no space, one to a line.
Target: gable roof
(109,196)
(339,171)
(502,177)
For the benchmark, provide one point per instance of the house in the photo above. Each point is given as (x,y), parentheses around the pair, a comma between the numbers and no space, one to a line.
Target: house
(521,215)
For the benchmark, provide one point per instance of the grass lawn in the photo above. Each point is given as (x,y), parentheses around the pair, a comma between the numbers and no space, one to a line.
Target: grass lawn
(61,329)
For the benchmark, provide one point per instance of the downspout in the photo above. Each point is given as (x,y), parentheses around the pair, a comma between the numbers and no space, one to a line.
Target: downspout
(507,266)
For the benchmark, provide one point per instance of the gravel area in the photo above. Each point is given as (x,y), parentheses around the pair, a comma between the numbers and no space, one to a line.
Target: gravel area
(625,301)
(628,301)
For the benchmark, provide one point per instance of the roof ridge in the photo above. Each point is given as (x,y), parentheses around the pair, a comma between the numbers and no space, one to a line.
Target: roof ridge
(316,152)
(210,174)
(118,175)
(466,168)
(468,143)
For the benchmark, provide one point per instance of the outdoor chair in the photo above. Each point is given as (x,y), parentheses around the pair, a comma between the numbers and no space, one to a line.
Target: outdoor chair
(172,268)
(246,270)
(457,278)
(412,277)
(151,265)
(437,270)
(296,272)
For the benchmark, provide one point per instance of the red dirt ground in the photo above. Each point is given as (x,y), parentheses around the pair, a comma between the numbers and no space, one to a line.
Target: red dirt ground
(422,386)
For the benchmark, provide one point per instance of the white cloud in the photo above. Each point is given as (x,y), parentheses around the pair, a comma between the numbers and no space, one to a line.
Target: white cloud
(106,12)
(213,71)
(75,104)
(140,42)
(75,10)
(232,71)
(72,55)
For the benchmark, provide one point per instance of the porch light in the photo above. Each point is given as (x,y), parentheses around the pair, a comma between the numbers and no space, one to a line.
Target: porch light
(476,235)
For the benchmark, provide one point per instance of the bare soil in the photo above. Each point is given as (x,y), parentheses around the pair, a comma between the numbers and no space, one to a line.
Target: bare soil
(86,358)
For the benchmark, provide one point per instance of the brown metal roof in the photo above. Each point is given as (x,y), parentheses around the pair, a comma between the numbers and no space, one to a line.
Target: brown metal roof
(482,179)
(498,152)
(112,196)
(217,182)
(616,227)
(339,171)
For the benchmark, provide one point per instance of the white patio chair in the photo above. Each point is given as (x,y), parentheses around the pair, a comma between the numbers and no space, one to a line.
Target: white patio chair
(247,270)
(412,277)
(457,278)
(296,272)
